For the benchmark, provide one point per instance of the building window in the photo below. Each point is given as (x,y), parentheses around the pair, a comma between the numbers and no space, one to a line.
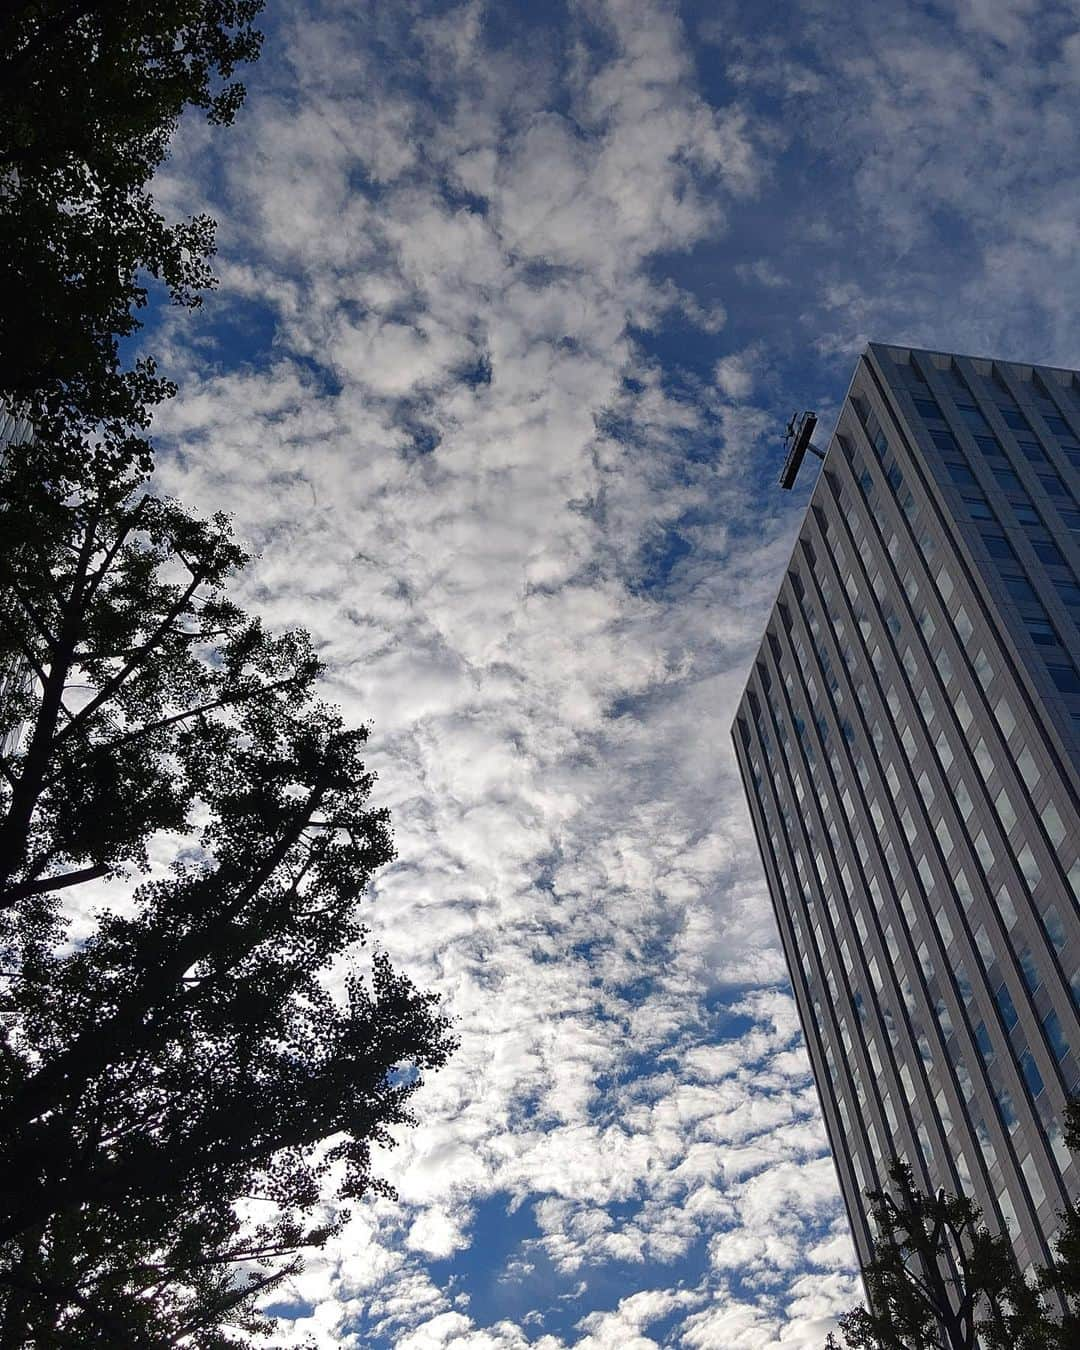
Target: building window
(1052,823)
(908,1083)
(982,1040)
(1029,969)
(1034,1182)
(962,475)
(944,751)
(1042,632)
(1008,480)
(1026,514)
(1065,678)
(1006,908)
(944,928)
(973,417)
(983,758)
(1053,485)
(1005,811)
(1029,867)
(1008,1213)
(1048,553)
(1004,1002)
(1057,425)
(978,508)
(1055,1037)
(1029,770)
(998,547)
(1020,590)
(944,838)
(1031,450)
(1032,1076)
(984,851)
(1068,592)
(983,669)
(1055,929)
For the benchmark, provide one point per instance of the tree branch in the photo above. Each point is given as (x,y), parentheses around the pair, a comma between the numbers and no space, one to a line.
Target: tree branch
(110,687)
(13,894)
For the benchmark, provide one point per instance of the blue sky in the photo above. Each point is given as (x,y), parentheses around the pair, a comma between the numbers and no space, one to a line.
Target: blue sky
(514,303)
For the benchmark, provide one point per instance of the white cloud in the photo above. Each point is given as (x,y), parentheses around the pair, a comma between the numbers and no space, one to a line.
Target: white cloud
(734,374)
(456,465)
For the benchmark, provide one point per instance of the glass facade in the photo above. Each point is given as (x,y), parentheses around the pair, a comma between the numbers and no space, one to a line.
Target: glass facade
(910,744)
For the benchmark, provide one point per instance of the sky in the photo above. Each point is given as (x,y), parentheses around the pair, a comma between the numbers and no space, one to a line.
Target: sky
(515,301)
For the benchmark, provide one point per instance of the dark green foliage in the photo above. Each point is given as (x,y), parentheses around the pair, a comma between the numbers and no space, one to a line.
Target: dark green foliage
(187,1051)
(90,93)
(940,1280)
(187,1099)
(1062,1279)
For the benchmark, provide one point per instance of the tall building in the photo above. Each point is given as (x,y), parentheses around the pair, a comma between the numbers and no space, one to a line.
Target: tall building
(910,744)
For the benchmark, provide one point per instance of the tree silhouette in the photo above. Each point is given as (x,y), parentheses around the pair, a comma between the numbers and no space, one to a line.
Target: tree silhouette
(90,94)
(940,1280)
(174,1048)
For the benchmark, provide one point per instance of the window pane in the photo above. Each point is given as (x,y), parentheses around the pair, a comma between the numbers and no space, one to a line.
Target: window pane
(1008,480)
(1068,592)
(998,547)
(1047,552)
(1041,632)
(1006,1007)
(1020,589)
(1032,1076)
(960,473)
(1065,678)
(973,417)
(1034,1181)
(1055,1036)
(1054,825)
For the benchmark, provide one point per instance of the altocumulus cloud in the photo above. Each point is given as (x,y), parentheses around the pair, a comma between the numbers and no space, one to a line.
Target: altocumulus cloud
(511,303)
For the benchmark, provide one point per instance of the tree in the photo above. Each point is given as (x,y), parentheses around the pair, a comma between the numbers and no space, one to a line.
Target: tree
(90,94)
(1061,1279)
(940,1280)
(178,1049)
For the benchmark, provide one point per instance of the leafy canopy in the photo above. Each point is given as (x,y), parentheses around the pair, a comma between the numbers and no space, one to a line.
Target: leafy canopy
(202,1031)
(90,94)
(940,1280)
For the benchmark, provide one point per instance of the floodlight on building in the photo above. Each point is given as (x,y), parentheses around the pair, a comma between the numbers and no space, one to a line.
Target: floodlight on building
(797,441)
